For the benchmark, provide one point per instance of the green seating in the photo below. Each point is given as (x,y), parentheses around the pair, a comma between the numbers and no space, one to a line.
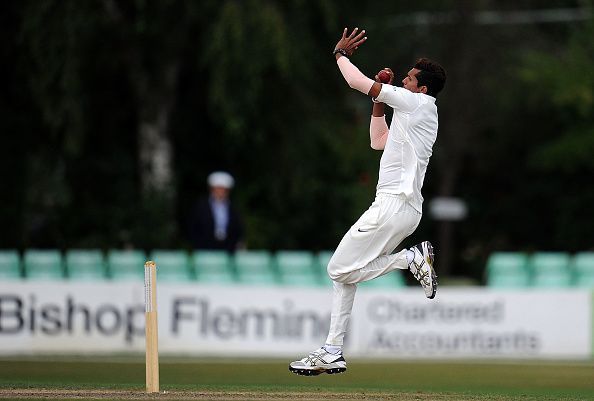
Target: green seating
(43,264)
(255,267)
(583,268)
(83,264)
(550,269)
(285,267)
(172,265)
(507,270)
(297,268)
(322,259)
(10,265)
(126,264)
(391,280)
(213,267)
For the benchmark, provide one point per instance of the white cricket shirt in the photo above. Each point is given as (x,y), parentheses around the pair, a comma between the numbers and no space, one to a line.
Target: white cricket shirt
(413,132)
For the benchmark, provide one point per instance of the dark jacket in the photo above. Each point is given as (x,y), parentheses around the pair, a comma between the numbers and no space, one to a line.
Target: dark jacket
(202,228)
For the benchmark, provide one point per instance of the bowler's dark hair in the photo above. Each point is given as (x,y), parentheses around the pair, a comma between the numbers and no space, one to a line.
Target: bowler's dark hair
(432,75)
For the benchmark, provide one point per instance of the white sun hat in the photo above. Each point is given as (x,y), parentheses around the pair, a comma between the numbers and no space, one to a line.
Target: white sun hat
(221,179)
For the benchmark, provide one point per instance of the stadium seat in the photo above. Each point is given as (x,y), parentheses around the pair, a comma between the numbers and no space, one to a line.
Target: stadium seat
(255,267)
(213,267)
(43,264)
(83,264)
(10,265)
(297,268)
(322,259)
(507,270)
(126,264)
(391,280)
(583,268)
(550,269)
(172,265)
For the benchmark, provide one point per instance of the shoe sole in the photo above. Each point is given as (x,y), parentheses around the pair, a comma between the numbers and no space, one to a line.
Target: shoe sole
(428,250)
(315,372)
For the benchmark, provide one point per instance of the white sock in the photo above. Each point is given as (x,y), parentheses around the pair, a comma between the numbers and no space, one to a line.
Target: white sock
(333,349)
(410,256)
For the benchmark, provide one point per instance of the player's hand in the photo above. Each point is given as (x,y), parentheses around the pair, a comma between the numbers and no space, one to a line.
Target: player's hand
(383,72)
(352,42)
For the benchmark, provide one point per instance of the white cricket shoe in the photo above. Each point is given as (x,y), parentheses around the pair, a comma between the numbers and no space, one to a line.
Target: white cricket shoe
(422,268)
(318,362)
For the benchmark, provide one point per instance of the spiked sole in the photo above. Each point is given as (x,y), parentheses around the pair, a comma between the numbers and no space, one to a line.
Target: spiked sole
(431,256)
(315,372)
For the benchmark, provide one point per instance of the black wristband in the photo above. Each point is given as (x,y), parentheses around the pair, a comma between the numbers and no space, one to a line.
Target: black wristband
(341,51)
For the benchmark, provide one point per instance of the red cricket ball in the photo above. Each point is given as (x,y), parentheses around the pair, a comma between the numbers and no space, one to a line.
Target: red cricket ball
(383,76)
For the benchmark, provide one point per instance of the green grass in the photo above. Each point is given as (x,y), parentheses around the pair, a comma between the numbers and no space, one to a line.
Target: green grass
(249,379)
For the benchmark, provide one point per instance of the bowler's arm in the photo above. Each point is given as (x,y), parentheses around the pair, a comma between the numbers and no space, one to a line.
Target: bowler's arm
(378,128)
(345,47)
(356,79)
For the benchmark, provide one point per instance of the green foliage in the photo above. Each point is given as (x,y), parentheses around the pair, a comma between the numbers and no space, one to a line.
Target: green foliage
(570,154)
(251,87)
(566,82)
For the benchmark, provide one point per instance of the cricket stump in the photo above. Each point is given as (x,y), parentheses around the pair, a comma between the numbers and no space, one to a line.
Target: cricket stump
(151,328)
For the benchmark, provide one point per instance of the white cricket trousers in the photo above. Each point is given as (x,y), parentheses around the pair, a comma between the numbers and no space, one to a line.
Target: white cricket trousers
(364,253)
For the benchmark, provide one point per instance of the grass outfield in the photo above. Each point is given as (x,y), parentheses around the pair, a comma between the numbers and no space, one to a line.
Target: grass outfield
(270,380)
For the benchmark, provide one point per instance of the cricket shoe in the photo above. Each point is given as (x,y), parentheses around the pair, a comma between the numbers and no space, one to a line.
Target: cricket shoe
(422,268)
(318,362)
